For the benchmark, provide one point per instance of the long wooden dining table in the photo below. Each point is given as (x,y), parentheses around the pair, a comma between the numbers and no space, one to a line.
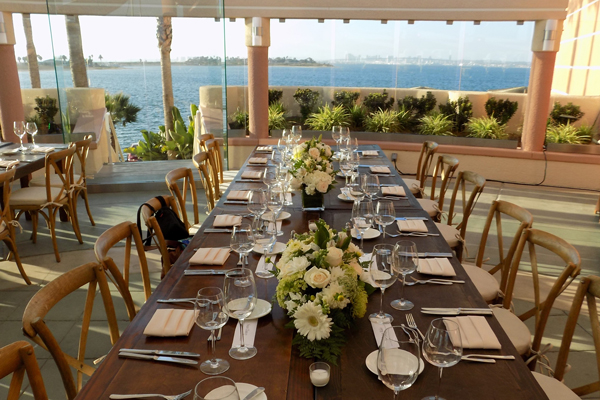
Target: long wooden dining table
(278,366)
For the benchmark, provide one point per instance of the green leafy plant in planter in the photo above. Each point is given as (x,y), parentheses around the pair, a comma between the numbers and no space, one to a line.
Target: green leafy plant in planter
(378,101)
(586,132)
(486,128)
(308,100)
(182,136)
(358,115)
(345,99)
(418,108)
(459,112)
(121,110)
(568,114)
(501,110)
(435,124)
(405,120)
(277,116)
(385,121)
(240,120)
(566,133)
(46,110)
(275,96)
(326,118)
(152,147)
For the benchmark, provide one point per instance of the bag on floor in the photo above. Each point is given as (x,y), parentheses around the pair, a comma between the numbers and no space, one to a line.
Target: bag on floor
(171,226)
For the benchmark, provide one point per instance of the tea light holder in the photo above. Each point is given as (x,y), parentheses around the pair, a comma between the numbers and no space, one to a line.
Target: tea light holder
(319,374)
(312,225)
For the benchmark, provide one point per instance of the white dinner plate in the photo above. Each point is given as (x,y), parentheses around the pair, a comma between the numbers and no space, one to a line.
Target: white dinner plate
(282,215)
(10,152)
(370,234)
(244,389)
(277,249)
(261,309)
(371,361)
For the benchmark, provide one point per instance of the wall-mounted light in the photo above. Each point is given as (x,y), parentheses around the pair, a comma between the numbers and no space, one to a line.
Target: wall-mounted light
(346,21)
(476,22)
(256,31)
(549,35)
(384,21)
(321,20)
(281,20)
(449,22)
(520,22)
(411,21)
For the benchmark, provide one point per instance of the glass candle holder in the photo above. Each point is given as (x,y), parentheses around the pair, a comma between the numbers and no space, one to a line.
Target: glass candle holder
(319,374)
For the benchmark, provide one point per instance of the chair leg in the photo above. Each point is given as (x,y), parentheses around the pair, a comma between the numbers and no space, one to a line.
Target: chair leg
(34,222)
(72,211)
(87,205)
(51,223)
(13,248)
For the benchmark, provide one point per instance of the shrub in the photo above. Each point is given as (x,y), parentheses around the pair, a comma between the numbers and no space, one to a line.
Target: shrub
(382,121)
(586,132)
(405,119)
(378,101)
(418,107)
(152,147)
(358,114)
(345,99)
(565,134)
(565,114)
(275,96)
(308,100)
(276,116)
(46,109)
(435,124)
(486,128)
(458,111)
(501,110)
(240,120)
(326,118)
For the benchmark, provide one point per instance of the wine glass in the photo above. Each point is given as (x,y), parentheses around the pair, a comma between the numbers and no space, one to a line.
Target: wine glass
(362,218)
(384,273)
(285,179)
(442,347)
(385,214)
(210,316)
(336,134)
(242,240)
(275,202)
(346,168)
(257,204)
(407,259)
(270,177)
(266,238)
(398,360)
(369,184)
(216,388)
(240,298)
(19,129)
(32,129)
(345,135)
(286,135)
(296,133)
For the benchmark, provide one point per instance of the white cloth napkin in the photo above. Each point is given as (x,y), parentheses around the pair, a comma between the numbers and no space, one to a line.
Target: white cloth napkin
(210,256)
(42,149)
(238,195)
(249,333)
(264,148)
(379,328)
(170,322)
(370,153)
(412,225)
(475,333)
(252,174)
(257,160)
(393,191)
(263,266)
(7,163)
(272,227)
(436,266)
(380,170)
(226,221)
(288,197)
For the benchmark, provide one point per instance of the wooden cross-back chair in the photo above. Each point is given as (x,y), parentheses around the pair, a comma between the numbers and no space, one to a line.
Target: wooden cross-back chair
(455,236)
(18,358)
(186,177)
(203,138)
(513,324)
(202,161)
(51,198)
(7,229)
(35,328)
(445,168)
(500,211)
(129,232)
(417,185)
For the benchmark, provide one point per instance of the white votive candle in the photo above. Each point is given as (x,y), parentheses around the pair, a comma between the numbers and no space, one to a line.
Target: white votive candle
(319,374)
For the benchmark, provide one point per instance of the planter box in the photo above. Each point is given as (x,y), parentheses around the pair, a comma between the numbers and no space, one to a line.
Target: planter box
(574,148)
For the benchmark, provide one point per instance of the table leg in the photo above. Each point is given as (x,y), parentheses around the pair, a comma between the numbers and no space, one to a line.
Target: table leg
(25,183)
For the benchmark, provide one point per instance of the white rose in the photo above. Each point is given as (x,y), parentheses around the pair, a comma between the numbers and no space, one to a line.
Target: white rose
(334,256)
(310,189)
(317,277)
(352,248)
(357,267)
(328,151)
(322,187)
(293,266)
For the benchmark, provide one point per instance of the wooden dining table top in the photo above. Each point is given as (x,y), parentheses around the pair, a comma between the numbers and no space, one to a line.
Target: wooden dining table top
(278,366)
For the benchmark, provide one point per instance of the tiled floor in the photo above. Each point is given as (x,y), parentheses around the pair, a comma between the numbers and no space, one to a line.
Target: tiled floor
(566,213)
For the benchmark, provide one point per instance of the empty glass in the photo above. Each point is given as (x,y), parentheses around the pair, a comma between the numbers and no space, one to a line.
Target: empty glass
(240,298)
(336,134)
(265,238)
(296,133)
(407,260)
(210,316)
(32,129)
(257,204)
(398,360)
(19,129)
(275,202)
(285,179)
(242,241)
(385,214)
(216,388)
(270,177)
(369,184)
(362,218)
(383,273)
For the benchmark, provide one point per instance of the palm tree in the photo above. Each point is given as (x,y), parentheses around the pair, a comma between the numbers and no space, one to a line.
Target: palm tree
(120,109)
(77,60)
(164,34)
(32,57)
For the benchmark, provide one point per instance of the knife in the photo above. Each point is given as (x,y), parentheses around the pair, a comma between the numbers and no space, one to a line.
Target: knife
(158,358)
(186,300)
(221,230)
(238,202)
(203,272)
(457,311)
(161,352)
(447,255)
(257,180)
(411,218)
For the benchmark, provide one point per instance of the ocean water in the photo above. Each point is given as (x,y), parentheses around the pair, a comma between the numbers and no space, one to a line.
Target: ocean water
(143,84)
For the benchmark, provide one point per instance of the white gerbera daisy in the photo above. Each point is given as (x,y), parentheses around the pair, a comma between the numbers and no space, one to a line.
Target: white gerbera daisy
(311,322)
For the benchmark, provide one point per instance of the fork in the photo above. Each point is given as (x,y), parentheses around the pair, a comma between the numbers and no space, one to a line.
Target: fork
(143,396)
(410,320)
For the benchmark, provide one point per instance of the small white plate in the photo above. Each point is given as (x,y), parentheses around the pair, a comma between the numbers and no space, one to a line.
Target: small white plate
(343,197)
(282,215)
(244,390)
(13,151)
(370,234)
(371,362)
(277,249)
(261,309)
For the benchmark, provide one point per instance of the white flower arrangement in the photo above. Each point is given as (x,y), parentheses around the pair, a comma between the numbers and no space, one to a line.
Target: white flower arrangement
(312,168)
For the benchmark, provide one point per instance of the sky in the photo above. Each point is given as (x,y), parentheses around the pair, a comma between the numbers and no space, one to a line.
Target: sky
(134,38)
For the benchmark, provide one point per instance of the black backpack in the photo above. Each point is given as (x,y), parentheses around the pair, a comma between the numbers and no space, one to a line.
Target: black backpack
(171,226)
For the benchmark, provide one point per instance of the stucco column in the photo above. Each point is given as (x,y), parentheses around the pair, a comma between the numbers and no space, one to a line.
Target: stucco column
(11,103)
(258,41)
(545,45)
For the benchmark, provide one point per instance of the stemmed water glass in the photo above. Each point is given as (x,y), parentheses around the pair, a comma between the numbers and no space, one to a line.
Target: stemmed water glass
(242,241)
(398,361)
(296,133)
(210,316)
(385,214)
(384,273)
(275,202)
(345,135)
(369,184)
(336,134)
(240,298)
(32,129)
(19,129)
(216,388)
(442,347)
(407,259)
(285,179)
(345,167)
(362,218)
(270,177)
(257,204)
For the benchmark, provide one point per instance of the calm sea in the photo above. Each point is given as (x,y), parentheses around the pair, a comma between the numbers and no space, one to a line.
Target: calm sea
(143,84)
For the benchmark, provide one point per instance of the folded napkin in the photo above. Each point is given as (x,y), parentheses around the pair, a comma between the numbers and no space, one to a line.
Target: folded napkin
(379,328)
(288,197)
(436,266)
(272,227)
(370,153)
(42,149)
(393,191)
(252,174)
(264,148)
(257,160)
(263,266)
(8,163)
(412,225)
(249,333)
(380,170)
(225,221)
(170,322)
(210,256)
(475,333)
(238,195)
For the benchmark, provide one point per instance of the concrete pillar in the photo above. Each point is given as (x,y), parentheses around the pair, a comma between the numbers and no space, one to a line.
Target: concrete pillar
(545,45)
(258,41)
(11,103)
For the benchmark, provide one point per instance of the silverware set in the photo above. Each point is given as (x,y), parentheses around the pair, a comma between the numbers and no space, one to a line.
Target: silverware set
(456,311)
(143,396)
(435,281)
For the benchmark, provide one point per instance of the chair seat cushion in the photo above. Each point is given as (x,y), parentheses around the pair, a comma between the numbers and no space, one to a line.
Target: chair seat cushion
(431,206)
(54,180)
(554,389)
(32,196)
(515,329)
(485,283)
(449,233)
(412,184)
(228,176)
